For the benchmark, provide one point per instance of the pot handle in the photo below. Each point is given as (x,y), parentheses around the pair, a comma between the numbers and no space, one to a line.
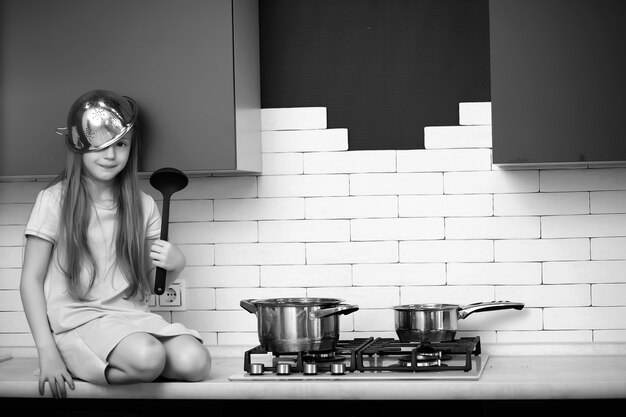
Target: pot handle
(465,311)
(340,309)
(248,305)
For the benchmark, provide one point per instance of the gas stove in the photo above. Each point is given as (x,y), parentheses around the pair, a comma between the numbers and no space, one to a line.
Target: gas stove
(369,358)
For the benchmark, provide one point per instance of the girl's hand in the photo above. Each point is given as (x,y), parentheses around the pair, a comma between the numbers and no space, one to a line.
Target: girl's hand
(167,256)
(52,370)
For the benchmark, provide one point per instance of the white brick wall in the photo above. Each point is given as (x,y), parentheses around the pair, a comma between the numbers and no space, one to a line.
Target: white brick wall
(380,228)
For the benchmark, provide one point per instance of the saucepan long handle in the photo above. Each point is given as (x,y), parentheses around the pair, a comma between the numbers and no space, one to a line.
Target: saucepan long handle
(465,311)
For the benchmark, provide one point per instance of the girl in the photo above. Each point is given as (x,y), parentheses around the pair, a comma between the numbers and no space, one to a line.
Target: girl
(91,253)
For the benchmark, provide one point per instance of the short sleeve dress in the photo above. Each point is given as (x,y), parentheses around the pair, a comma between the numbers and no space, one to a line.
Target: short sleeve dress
(87,331)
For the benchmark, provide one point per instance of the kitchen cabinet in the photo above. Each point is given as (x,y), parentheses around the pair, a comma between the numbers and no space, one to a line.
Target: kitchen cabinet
(191,65)
(558,91)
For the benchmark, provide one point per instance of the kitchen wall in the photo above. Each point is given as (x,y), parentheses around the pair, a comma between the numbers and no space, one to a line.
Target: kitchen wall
(381,228)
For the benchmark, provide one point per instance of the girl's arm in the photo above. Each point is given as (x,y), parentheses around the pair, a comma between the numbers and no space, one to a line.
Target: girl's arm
(168,256)
(52,368)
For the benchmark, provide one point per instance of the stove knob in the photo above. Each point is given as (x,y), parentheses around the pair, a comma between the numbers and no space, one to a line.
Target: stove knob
(309,369)
(256,369)
(338,368)
(283,369)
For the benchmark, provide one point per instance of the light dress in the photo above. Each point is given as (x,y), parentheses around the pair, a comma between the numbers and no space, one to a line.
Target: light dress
(87,331)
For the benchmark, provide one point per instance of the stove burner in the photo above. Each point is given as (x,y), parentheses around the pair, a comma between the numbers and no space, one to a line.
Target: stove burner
(321,356)
(421,360)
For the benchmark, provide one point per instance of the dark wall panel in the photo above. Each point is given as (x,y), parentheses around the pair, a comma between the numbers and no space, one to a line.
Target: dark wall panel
(384,69)
(558,84)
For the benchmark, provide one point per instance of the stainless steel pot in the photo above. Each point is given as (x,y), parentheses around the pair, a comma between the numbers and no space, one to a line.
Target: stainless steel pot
(438,322)
(291,325)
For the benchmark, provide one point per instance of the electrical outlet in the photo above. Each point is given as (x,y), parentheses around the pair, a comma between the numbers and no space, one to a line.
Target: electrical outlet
(172,299)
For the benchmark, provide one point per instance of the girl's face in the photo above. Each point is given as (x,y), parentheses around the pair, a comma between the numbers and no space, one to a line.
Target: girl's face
(104,165)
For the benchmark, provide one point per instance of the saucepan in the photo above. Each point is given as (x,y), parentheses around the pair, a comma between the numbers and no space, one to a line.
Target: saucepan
(438,322)
(292,325)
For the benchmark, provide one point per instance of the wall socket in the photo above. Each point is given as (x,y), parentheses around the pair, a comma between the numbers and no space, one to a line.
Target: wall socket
(172,299)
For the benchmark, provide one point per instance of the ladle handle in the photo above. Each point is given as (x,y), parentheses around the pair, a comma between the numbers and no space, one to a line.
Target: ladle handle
(161,274)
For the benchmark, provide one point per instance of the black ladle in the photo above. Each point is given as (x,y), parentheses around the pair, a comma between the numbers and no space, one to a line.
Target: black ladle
(167,181)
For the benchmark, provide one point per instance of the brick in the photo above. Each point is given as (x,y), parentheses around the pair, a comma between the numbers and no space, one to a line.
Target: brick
(232,276)
(351,252)
(445,205)
(541,250)
(214,232)
(481,182)
(21,191)
(608,294)
(529,204)
(11,256)
(10,279)
(440,160)
(608,202)
(323,140)
(583,179)
(584,272)
(259,253)
(219,187)
(11,235)
(10,300)
(492,227)
(282,164)
(475,113)
(259,209)
(306,275)
(396,229)
(200,298)
(293,118)
(457,137)
(399,274)
(15,213)
(13,322)
(598,225)
(584,318)
(304,186)
(304,231)
(349,162)
(493,273)
(351,207)
(190,210)
(446,251)
(396,183)
(608,248)
(198,254)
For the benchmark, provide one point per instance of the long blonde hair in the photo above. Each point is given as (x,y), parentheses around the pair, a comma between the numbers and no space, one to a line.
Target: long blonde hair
(76,209)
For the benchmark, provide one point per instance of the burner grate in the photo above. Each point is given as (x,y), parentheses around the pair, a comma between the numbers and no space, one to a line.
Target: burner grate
(379,354)
(417,356)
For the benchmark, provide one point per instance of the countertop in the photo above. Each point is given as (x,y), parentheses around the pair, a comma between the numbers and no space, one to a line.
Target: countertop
(548,371)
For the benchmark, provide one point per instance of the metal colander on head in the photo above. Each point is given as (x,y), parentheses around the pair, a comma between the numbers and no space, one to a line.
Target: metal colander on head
(98,119)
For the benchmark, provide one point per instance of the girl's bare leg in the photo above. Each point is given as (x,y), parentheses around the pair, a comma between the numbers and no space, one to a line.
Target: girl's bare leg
(139,357)
(187,359)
